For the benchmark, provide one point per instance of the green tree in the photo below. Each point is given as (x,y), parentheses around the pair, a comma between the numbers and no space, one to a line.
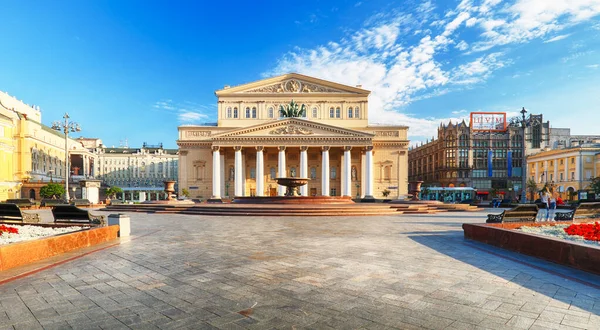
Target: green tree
(52,190)
(595,185)
(531,187)
(185,192)
(292,110)
(113,191)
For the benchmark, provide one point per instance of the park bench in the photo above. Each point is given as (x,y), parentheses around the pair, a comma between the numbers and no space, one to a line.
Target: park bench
(52,202)
(11,212)
(81,202)
(21,202)
(521,213)
(73,214)
(584,210)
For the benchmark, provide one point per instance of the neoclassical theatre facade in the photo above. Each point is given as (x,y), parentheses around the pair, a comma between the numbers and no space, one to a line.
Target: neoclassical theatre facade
(333,144)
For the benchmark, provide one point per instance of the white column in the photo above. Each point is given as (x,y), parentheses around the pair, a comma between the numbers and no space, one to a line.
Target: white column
(363,175)
(578,173)
(347,172)
(260,172)
(369,172)
(304,169)
(216,175)
(566,170)
(546,174)
(238,191)
(555,162)
(325,172)
(281,171)
(537,172)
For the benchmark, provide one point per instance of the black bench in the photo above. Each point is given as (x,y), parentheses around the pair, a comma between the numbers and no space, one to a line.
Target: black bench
(521,213)
(52,202)
(73,214)
(81,202)
(583,210)
(21,202)
(12,212)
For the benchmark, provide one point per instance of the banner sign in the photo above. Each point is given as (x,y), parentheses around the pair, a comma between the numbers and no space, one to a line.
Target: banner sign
(488,121)
(490,157)
(509,161)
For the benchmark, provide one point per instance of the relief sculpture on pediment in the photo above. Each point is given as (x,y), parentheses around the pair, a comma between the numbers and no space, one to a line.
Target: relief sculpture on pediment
(294,86)
(291,130)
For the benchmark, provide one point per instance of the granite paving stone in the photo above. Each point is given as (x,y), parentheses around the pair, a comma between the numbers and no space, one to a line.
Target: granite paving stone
(380,272)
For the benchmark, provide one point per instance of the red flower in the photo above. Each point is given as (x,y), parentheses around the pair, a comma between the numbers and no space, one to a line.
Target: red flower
(7,229)
(588,231)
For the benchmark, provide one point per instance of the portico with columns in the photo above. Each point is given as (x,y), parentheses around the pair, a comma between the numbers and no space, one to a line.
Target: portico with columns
(332,145)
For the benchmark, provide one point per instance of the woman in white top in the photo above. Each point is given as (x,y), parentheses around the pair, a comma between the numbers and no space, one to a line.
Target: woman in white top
(551,205)
(544,196)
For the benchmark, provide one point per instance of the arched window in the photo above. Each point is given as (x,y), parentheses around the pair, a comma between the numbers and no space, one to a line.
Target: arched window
(272,173)
(247,112)
(271,112)
(315,112)
(338,112)
(356,112)
(331,112)
(254,112)
(333,174)
(229,112)
(313,172)
(350,112)
(235,113)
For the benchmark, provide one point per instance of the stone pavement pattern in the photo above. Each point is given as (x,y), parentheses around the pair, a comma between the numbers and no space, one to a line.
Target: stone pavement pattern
(200,272)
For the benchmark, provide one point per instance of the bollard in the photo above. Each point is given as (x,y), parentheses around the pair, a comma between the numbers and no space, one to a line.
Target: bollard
(123,221)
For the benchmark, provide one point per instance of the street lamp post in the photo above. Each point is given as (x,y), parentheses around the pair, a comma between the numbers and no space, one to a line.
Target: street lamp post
(524,158)
(66,127)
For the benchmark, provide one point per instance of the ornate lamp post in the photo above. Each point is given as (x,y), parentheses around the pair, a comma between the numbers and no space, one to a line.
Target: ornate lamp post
(66,127)
(524,157)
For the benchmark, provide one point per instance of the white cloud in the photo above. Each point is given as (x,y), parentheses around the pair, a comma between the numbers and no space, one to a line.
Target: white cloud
(188,116)
(187,112)
(462,45)
(381,58)
(557,38)
(592,66)
(459,112)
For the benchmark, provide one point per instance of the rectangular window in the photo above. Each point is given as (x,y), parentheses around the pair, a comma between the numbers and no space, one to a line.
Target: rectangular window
(338,113)
(270,112)
(333,192)
(331,113)
(588,174)
(247,112)
(573,160)
(572,176)
(356,113)
(562,177)
(350,113)
(314,112)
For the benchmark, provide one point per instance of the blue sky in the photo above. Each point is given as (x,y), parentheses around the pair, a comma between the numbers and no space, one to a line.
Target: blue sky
(136,70)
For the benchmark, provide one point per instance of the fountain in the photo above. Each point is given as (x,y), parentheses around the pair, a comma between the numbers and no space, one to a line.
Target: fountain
(170,190)
(292,196)
(291,185)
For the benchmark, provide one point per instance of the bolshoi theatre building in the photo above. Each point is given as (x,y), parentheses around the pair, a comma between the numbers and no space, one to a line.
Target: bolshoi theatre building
(332,144)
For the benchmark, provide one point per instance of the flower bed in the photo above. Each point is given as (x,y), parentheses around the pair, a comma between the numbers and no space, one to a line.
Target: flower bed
(563,249)
(561,232)
(25,252)
(19,233)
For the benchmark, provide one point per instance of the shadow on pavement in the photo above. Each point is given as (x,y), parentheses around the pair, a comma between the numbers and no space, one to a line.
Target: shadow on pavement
(493,260)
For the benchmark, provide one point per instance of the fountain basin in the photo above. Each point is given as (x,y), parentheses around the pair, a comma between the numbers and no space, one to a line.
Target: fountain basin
(292,185)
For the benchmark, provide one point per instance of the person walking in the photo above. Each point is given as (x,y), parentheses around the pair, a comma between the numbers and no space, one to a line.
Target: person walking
(553,196)
(544,196)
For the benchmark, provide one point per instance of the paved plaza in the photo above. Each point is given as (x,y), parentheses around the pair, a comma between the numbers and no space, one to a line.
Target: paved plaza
(396,272)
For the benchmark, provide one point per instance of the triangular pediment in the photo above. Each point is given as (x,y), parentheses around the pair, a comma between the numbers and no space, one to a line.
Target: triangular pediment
(291,128)
(292,83)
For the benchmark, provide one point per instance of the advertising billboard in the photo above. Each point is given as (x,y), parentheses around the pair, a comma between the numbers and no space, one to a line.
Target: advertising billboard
(488,121)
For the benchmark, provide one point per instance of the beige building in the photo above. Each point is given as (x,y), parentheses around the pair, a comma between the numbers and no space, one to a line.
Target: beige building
(32,153)
(333,144)
(570,170)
